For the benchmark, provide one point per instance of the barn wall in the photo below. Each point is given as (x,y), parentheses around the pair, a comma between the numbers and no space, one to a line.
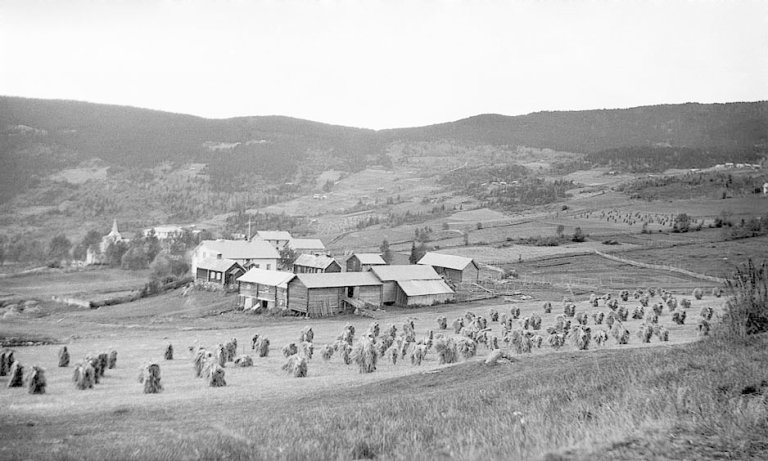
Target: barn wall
(389,292)
(428,300)
(333,267)
(297,296)
(371,294)
(470,274)
(324,301)
(353,264)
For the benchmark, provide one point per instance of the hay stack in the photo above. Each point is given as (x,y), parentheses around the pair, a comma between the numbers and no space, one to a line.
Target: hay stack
(466,347)
(326,352)
(598,317)
(661,332)
(685,303)
(263,347)
(624,295)
(698,293)
(393,353)
(645,333)
(638,312)
(556,340)
(446,350)
(652,318)
(535,322)
(220,355)
(717,292)
(392,331)
(547,307)
(703,327)
(6,360)
(199,361)
(231,350)
(150,376)
(409,332)
(216,375)
(63,357)
(569,310)
(84,375)
(679,317)
(296,366)
(365,356)
(442,322)
(457,325)
(644,300)
(290,350)
(672,304)
(96,364)
(347,335)
(16,375)
(581,337)
(374,330)
(493,342)
(706,313)
(36,382)
(112,360)
(593,300)
(658,308)
(243,361)
(168,354)
(306,335)
(103,363)
(622,313)
(581,318)
(536,340)
(613,304)
(418,353)
(652,292)
(307,349)
(515,312)
(493,315)
(600,337)
(254,340)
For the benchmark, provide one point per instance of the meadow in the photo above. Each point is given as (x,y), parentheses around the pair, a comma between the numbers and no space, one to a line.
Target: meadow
(568,399)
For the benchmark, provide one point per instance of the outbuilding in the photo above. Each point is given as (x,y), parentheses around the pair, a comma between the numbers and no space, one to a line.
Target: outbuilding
(412,285)
(260,288)
(220,271)
(325,294)
(361,262)
(313,264)
(457,269)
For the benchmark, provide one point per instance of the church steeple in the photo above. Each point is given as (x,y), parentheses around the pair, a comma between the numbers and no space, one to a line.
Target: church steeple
(114,227)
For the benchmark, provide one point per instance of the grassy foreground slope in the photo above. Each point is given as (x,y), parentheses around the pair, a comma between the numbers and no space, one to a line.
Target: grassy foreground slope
(698,401)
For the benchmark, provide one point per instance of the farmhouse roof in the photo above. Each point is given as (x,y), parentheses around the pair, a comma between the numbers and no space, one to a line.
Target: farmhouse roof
(458,263)
(369,258)
(338,279)
(424,287)
(273,235)
(318,262)
(405,272)
(218,265)
(242,249)
(265,277)
(306,244)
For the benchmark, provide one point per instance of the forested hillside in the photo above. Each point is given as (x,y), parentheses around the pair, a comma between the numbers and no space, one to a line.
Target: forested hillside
(41,137)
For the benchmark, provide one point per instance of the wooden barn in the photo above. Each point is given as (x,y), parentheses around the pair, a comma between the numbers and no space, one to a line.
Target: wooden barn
(220,271)
(457,269)
(323,294)
(260,288)
(362,262)
(313,264)
(412,285)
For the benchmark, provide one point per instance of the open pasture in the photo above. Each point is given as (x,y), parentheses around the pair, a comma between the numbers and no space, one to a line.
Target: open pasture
(58,283)
(260,403)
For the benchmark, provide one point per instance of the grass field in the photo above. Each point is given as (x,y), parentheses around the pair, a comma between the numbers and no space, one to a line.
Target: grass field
(400,411)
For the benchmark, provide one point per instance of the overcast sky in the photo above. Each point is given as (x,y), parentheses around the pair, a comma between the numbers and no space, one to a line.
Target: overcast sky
(383,64)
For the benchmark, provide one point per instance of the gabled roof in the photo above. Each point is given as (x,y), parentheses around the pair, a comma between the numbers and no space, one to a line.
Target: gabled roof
(218,265)
(306,244)
(318,262)
(338,279)
(273,235)
(242,249)
(370,258)
(458,263)
(424,287)
(265,277)
(405,272)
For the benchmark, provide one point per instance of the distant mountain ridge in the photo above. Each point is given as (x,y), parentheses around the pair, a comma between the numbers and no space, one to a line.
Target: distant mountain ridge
(39,137)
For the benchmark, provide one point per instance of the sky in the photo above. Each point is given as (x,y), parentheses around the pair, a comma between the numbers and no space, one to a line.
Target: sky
(384,64)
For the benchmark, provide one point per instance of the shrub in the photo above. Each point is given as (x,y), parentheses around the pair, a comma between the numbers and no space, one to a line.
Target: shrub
(746,311)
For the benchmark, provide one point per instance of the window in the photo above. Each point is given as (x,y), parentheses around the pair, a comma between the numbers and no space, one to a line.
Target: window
(256,266)
(269,266)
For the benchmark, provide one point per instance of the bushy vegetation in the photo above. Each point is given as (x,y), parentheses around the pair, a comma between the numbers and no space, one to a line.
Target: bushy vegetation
(716,184)
(747,309)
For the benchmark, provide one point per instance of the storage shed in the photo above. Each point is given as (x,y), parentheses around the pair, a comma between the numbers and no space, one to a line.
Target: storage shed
(412,285)
(361,262)
(324,294)
(457,269)
(260,288)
